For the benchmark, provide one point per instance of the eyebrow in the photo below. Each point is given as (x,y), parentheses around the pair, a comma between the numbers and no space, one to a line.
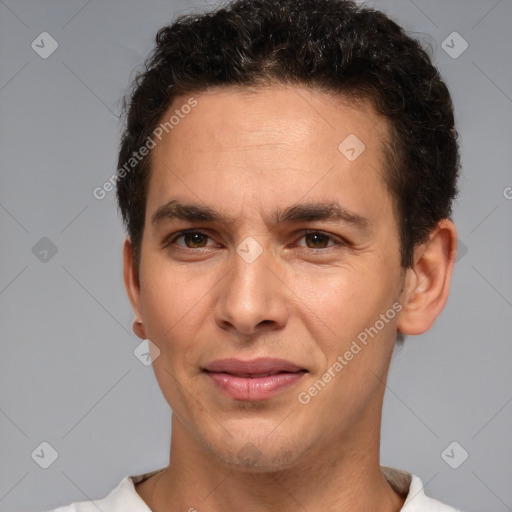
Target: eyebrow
(300,212)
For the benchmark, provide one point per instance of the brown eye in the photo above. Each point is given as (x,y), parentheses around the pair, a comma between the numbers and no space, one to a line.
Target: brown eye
(317,240)
(195,240)
(192,239)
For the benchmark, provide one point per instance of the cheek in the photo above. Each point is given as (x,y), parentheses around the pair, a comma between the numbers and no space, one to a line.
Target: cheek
(171,309)
(168,294)
(338,299)
(169,305)
(342,308)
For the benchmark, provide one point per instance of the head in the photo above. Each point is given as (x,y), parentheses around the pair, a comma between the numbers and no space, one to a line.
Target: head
(258,119)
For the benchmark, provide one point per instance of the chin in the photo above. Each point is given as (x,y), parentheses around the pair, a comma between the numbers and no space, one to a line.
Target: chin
(256,456)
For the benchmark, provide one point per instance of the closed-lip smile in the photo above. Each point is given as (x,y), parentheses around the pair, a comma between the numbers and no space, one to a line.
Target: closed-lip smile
(255,379)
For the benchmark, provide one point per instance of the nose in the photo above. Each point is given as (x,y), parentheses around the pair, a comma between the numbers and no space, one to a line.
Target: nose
(252,297)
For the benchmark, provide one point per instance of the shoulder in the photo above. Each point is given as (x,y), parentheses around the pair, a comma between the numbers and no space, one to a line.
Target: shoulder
(123,497)
(411,487)
(418,501)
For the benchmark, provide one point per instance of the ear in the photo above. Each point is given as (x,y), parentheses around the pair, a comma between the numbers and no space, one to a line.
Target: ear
(132,285)
(427,282)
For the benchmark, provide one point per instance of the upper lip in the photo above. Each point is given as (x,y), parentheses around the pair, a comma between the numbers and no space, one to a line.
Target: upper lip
(261,365)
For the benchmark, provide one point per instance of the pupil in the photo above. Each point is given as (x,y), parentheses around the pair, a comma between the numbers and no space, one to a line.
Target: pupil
(316,238)
(195,238)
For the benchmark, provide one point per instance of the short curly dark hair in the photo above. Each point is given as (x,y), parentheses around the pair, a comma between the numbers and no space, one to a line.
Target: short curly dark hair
(335,46)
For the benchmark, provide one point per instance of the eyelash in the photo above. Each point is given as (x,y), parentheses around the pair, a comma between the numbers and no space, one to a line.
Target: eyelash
(175,236)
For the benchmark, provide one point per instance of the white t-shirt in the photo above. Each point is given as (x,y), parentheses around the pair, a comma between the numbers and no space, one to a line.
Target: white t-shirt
(124,498)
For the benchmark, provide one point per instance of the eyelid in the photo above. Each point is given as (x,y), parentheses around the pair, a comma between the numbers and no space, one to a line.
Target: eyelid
(337,240)
(178,234)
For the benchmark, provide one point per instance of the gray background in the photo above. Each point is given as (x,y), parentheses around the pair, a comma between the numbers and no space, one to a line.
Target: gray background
(68,374)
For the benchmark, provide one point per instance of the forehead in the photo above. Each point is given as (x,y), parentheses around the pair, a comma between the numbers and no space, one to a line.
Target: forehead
(278,141)
(272,113)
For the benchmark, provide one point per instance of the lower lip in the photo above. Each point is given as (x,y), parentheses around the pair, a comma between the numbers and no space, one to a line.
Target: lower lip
(258,388)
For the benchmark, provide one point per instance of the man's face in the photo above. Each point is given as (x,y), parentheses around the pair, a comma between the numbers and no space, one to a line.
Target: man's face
(270,284)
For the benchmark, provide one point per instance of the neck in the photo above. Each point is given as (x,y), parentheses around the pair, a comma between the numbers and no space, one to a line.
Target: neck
(343,476)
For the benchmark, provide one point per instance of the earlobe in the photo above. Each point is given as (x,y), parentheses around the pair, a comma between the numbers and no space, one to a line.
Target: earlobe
(427,283)
(132,286)
(138,329)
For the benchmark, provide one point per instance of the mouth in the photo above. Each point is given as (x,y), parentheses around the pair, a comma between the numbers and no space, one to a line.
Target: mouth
(254,380)
(255,375)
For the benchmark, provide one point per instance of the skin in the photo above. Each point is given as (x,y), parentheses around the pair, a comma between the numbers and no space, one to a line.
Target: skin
(304,299)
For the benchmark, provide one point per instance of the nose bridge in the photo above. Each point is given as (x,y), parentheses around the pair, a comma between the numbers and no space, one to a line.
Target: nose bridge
(251,269)
(251,297)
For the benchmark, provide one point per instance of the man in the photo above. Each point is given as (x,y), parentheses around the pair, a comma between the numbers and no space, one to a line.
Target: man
(286,178)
